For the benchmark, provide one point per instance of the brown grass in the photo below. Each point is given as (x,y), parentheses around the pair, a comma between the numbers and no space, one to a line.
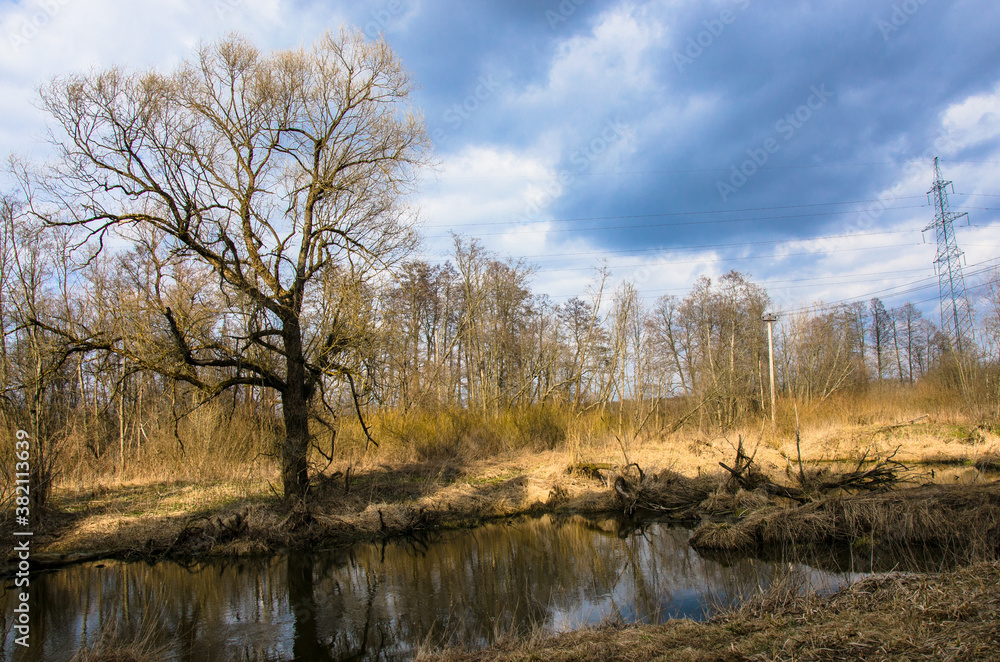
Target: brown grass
(219,442)
(897,617)
(456,468)
(136,642)
(963,518)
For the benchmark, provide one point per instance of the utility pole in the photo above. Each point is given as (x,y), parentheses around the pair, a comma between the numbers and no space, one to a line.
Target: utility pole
(956,312)
(771,318)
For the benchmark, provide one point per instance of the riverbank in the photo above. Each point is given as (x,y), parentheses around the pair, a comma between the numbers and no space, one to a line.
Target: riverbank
(938,616)
(963,518)
(681,478)
(944,494)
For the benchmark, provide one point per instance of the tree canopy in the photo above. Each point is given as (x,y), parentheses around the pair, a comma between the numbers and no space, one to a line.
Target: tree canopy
(258,190)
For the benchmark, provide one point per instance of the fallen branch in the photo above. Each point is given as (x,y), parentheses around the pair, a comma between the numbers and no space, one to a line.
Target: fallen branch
(669,494)
(771,488)
(884,474)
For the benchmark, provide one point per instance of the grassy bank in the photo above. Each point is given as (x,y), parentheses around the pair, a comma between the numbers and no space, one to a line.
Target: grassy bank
(458,469)
(214,492)
(943,616)
(954,517)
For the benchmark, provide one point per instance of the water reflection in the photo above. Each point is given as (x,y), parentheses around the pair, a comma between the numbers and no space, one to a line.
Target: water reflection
(385,601)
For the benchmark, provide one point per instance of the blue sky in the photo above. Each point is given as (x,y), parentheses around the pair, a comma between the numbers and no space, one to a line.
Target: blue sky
(670,138)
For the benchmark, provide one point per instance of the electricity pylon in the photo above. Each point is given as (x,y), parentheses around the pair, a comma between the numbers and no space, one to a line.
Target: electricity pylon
(956,312)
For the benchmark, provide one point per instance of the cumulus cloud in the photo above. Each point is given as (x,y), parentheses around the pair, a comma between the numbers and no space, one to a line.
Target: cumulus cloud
(974,121)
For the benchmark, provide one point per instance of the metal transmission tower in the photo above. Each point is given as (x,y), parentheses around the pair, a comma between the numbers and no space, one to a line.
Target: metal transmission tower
(956,313)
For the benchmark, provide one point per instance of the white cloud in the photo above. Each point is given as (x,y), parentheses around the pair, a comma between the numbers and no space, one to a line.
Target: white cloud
(479,191)
(973,121)
(611,62)
(594,78)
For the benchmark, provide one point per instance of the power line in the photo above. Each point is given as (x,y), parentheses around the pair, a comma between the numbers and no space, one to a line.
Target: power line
(727,168)
(521,231)
(725,259)
(696,213)
(571,257)
(739,258)
(915,288)
(831,280)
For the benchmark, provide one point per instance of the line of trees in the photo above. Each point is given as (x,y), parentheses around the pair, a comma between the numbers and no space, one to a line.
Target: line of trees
(470,333)
(237,230)
(467,334)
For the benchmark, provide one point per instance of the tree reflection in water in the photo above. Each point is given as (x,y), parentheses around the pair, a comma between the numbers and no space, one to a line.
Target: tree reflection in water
(385,601)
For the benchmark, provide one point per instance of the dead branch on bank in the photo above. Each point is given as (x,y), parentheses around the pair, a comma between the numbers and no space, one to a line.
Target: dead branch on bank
(744,486)
(884,474)
(668,493)
(747,475)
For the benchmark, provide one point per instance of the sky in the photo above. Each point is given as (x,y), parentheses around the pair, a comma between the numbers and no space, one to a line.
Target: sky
(792,141)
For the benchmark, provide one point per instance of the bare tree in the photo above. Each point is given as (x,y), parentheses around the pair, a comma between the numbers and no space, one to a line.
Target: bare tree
(880,331)
(909,317)
(821,353)
(724,343)
(666,342)
(990,314)
(280,175)
(38,390)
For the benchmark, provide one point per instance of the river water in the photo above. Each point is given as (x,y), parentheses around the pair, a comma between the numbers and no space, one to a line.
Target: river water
(386,601)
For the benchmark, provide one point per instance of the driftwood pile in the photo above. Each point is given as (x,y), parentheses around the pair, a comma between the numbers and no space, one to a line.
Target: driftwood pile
(744,486)
(669,493)
(885,473)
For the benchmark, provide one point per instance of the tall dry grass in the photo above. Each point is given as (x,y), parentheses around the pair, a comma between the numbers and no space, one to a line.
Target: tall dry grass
(220,442)
(214,442)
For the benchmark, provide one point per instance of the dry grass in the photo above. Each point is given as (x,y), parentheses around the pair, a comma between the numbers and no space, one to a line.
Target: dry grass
(961,518)
(456,468)
(906,618)
(235,445)
(138,639)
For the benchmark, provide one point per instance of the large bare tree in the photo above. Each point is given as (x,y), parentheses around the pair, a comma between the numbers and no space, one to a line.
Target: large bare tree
(277,180)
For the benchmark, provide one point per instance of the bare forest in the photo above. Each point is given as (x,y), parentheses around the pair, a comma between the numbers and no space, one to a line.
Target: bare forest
(214,272)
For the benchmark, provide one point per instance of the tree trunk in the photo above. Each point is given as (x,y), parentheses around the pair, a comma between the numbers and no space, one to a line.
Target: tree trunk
(295,449)
(295,410)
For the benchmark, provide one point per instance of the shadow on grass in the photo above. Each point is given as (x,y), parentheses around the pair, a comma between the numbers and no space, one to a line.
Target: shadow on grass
(182,519)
